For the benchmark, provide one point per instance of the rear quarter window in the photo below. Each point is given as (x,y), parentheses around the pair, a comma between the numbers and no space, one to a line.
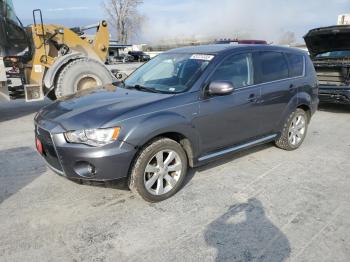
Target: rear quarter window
(296,64)
(271,66)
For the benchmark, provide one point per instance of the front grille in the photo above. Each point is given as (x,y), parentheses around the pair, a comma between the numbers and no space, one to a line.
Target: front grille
(333,76)
(49,152)
(330,77)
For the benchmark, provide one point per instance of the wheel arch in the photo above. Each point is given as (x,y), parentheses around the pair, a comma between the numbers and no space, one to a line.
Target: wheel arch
(307,109)
(182,140)
(178,137)
(300,100)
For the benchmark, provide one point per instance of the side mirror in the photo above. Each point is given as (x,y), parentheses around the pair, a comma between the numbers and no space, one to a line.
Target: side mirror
(220,88)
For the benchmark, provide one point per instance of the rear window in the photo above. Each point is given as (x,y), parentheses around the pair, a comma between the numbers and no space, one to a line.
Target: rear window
(296,64)
(272,66)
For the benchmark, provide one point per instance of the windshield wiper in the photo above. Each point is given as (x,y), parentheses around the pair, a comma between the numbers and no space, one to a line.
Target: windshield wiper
(146,89)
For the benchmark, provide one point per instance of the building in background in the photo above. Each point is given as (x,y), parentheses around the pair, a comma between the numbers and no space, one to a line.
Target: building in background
(344,19)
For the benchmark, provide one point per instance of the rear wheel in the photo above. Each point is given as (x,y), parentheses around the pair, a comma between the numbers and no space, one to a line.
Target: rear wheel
(159,170)
(294,130)
(81,74)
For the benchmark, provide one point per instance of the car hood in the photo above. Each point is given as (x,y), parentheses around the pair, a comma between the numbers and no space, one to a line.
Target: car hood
(326,39)
(96,108)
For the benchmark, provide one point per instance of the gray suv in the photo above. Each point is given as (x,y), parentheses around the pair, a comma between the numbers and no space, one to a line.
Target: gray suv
(182,109)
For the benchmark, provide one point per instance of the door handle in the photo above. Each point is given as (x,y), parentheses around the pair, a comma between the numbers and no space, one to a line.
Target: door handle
(252,98)
(291,87)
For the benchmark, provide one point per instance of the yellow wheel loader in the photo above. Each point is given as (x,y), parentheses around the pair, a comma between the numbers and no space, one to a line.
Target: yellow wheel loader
(49,60)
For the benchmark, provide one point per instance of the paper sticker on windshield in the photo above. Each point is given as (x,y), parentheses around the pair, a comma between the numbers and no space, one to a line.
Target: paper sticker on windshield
(202,57)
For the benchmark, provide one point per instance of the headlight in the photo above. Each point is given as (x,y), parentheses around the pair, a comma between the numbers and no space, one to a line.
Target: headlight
(93,137)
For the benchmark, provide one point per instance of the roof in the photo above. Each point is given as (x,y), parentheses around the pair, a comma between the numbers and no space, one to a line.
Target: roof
(202,49)
(222,48)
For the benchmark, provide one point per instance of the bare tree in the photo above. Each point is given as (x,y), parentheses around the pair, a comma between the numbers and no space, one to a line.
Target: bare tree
(124,17)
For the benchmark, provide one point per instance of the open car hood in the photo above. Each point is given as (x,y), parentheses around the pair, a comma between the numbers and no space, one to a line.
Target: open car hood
(326,39)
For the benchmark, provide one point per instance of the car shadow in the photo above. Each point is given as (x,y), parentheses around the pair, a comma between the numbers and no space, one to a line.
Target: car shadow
(244,233)
(334,108)
(16,109)
(18,168)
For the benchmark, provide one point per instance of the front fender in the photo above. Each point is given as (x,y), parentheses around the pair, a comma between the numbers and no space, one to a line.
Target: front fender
(140,132)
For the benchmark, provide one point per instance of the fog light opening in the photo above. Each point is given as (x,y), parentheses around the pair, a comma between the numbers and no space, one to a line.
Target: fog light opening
(92,170)
(85,169)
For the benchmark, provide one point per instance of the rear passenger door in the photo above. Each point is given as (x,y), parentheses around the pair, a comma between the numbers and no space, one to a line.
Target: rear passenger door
(277,88)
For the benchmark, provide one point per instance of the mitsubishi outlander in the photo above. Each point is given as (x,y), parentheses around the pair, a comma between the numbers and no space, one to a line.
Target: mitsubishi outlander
(184,108)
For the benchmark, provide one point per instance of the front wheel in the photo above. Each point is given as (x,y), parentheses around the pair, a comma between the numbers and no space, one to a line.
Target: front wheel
(159,170)
(294,130)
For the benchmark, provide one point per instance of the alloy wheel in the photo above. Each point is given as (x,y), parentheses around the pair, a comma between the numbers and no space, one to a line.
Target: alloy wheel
(162,172)
(297,130)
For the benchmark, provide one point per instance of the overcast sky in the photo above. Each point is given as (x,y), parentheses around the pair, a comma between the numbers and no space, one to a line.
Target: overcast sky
(203,18)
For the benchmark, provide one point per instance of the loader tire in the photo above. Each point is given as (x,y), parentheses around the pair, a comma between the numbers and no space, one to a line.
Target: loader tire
(81,74)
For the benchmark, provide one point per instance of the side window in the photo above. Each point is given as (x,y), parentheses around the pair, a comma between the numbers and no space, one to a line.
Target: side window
(296,64)
(272,66)
(238,69)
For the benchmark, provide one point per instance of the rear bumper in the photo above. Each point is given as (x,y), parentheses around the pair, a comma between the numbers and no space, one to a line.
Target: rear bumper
(332,94)
(83,162)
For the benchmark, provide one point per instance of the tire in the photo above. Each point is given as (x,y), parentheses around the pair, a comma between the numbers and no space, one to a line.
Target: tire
(148,185)
(290,129)
(81,74)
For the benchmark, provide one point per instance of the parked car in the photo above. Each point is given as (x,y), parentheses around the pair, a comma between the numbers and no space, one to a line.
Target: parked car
(139,56)
(122,58)
(329,48)
(185,107)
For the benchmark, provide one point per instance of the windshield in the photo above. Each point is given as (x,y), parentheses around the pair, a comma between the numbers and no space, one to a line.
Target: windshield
(169,73)
(334,54)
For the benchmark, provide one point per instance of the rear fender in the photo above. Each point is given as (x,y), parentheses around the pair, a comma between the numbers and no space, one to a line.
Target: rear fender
(299,99)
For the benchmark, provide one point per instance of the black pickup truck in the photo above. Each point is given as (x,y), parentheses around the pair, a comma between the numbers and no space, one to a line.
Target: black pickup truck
(329,49)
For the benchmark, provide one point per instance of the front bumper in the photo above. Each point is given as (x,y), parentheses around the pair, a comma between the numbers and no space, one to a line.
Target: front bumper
(334,94)
(76,161)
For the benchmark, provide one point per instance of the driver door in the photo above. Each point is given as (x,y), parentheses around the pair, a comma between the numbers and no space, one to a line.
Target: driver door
(231,119)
